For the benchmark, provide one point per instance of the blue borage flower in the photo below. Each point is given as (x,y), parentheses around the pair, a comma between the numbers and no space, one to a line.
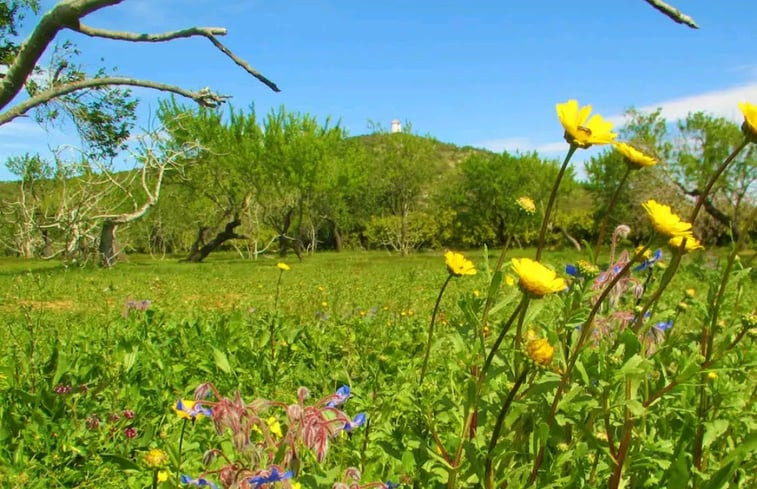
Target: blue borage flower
(649,262)
(191,409)
(340,397)
(391,485)
(572,270)
(273,476)
(199,482)
(357,421)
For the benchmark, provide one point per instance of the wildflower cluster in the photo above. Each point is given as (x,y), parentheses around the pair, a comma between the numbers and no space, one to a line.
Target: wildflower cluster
(278,446)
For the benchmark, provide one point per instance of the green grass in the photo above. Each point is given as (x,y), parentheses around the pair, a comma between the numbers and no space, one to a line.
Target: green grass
(356,318)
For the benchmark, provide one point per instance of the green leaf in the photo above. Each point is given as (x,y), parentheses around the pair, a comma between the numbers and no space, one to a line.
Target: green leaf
(713,429)
(222,362)
(121,461)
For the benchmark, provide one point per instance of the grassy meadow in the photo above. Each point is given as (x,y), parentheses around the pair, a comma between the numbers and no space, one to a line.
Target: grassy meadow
(89,373)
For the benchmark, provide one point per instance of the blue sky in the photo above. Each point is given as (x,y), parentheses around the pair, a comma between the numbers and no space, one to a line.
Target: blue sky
(484,73)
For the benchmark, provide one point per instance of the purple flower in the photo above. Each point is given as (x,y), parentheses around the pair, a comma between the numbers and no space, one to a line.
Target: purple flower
(357,421)
(128,414)
(664,325)
(130,432)
(649,262)
(199,482)
(273,476)
(341,396)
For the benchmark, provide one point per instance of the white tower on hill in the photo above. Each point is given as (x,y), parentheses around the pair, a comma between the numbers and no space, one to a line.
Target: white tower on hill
(396,126)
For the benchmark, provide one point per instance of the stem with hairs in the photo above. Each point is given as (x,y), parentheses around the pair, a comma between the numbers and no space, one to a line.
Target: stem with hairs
(606,217)
(431,330)
(551,202)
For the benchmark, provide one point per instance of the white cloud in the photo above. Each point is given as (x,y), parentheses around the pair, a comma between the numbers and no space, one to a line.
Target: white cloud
(21,128)
(522,144)
(722,103)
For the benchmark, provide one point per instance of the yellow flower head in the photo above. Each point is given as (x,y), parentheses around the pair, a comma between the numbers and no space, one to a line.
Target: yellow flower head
(535,278)
(155,458)
(580,129)
(274,426)
(691,293)
(540,351)
(750,120)
(162,476)
(526,204)
(691,244)
(283,266)
(634,157)
(458,265)
(665,222)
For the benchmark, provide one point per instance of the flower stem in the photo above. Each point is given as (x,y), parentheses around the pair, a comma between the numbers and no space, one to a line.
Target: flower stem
(181,443)
(522,305)
(713,178)
(606,217)
(571,361)
(488,465)
(550,204)
(431,330)
(273,319)
(500,261)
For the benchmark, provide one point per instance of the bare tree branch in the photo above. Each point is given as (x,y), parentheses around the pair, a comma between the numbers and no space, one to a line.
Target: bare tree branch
(673,13)
(204,97)
(162,37)
(64,14)
(208,32)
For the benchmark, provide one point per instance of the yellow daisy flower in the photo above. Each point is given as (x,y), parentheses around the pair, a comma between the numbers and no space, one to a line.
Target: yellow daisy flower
(750,120)
(634,157)
(155,458)
(526,204)
(283,266)
(535,278)
(665,221)
(458,265)
(691,243)
(162,476)
(582,130)
(540,351)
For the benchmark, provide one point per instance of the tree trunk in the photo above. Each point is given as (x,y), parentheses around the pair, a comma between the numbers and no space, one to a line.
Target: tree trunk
(108,243)
(337,238)
(199,253)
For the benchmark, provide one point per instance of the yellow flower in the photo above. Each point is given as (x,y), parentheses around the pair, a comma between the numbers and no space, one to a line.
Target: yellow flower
(691,293)
(162,476)
(155,458)
(283,266)
(540,351)
(526,204)
(712,375)
(535,278)
(665,222)
(750,120)
(579,129)
(296,485)
(634,157)
(458,265)
(509,280)
(274,426)
(691,243)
